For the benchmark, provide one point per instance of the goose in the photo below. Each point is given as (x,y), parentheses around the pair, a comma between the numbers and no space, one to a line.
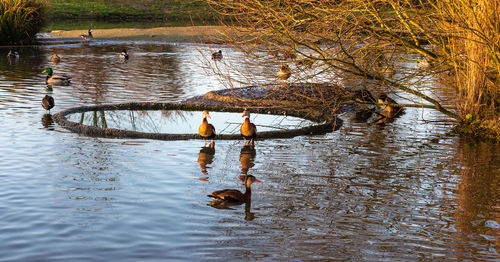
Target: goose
(88,37)
(47,103)
(217,56)
(55,59)
(206,130)
(234,195)
(248,129)
(56,79)
(284,73)
(124,55)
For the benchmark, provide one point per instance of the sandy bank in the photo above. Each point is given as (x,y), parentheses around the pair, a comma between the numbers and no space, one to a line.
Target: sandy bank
(168,34)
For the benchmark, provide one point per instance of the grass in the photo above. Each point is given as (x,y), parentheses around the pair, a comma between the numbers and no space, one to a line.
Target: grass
(20,20)
(124,10)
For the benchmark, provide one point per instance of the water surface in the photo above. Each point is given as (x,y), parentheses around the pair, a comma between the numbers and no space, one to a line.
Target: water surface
(408,190)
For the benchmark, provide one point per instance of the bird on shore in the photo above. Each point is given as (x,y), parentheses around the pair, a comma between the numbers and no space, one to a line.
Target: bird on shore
(55,59)
(87,37)
(12,54)
(124,55)
(234,195)
(206,130)
(52,79)
(217,56)
(284,73)
(47,103)
(248,129)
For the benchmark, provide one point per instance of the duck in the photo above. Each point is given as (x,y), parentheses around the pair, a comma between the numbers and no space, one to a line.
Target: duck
(217,56)
(389,71)
(386,103)
(206,130)
(55,59)
(284,73)
(248,129)
(12,54)
(124,55)
(234,195)
(47,103)
(88,37)
(52,79)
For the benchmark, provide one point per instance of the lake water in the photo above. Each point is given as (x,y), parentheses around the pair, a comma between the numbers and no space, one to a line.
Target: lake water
(409,190)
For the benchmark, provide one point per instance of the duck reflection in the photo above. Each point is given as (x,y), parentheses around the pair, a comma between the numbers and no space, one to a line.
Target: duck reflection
(249,215)
(206,157)
(47,120)
(247,158)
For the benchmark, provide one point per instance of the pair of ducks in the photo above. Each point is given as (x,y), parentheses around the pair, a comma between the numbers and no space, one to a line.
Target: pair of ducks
(248,130)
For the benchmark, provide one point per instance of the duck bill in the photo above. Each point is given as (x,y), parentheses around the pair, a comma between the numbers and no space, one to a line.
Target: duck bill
(44,71)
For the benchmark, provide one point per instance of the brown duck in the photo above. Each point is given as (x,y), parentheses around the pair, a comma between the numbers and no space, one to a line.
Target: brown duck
(234,195)
(206,130)
(47,103)
(248,129)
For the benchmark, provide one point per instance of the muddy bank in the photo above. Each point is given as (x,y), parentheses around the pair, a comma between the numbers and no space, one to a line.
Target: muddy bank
(203,34)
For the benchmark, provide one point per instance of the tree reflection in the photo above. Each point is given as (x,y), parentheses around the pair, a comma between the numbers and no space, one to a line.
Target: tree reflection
(477,195)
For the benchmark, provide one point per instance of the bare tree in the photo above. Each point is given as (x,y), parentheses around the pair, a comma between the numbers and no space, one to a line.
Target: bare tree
(395,45)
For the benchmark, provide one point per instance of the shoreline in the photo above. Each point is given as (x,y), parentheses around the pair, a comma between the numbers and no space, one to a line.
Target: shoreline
(212,34)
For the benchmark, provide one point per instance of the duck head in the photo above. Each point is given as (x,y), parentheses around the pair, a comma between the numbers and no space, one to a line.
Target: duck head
(48,71)
(205,114)
(246,113)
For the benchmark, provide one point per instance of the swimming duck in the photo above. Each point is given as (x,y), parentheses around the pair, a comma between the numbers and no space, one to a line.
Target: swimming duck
(87,37)
(206,130)
(124,55)
(55,59)
(284,73)
(217,56)
(234,195)
(56,79)
(47,103)
(248,130)
(12,54)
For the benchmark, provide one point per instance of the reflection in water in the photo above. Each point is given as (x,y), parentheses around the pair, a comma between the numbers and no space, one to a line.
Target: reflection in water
(206,157)
(362,193)
(179,121)
(249,215)
(247,158)
(478,197)
(47,121)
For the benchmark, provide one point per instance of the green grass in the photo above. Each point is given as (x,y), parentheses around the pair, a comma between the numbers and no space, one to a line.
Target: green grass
(20,20)
(129,9)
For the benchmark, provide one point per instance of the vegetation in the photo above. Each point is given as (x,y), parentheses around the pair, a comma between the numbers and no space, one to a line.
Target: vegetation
(20,20)
(401,46)
(129,9)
